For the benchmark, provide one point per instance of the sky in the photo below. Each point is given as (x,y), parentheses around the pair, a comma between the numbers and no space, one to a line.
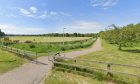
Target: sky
(51,16)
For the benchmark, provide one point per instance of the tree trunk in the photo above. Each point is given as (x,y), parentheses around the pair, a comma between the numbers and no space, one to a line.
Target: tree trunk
(120,47)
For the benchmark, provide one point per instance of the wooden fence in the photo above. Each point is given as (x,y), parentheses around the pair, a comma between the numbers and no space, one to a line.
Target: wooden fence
(108,69)
(25,54)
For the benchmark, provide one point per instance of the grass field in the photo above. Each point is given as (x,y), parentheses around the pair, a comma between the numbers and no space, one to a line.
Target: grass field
(7,61)
(45,38)
(110,53)
(58,77)
(57,47)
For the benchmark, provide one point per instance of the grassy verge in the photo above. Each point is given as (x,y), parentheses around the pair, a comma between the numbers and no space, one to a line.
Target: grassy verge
(110,53)
(9,61)
(58,77)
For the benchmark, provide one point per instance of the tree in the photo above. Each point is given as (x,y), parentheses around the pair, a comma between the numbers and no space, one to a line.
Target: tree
(122,36)
(1,35)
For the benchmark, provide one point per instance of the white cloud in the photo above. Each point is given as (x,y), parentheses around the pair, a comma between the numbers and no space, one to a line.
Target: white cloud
(11,29)
(105,4)
(44,15)
(65,14)
(24,11)
(33,9)
(84,27)
(28,12)
(78,26)
(52,14)
(33,12)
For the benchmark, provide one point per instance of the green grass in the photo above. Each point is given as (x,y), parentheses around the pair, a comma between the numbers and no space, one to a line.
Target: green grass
(58,77)
(7,61)
(110,53)
(45,38)
(43,48)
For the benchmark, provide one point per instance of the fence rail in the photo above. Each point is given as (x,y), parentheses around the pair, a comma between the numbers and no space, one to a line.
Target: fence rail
(108,69)
(100,62)
(26,54)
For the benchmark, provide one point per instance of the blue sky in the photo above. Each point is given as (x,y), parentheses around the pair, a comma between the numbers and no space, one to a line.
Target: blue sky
(84,16)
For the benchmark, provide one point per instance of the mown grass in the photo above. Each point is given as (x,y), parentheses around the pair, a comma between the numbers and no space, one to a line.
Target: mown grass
(45,38)
(111,54)
(58,77)
(9,61)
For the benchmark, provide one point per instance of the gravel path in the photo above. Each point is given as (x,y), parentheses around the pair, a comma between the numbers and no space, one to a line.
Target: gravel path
(32,73)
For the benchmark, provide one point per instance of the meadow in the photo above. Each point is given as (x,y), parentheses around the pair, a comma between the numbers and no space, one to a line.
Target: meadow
(10,60)
(111,54)
(46,38)
(43,48)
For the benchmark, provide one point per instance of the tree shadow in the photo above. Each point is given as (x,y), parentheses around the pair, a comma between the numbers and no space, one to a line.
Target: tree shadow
(9,61)
(132,50)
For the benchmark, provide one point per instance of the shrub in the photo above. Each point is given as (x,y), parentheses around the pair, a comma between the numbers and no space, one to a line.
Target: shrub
(32,46)
(15,41)
(28,41)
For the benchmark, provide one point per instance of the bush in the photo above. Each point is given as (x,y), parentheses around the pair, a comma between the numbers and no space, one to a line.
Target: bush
(28,41)
(15,41)
(32,46)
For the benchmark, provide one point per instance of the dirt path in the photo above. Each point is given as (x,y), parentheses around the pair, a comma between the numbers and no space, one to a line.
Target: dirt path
(32,73)
(96,47)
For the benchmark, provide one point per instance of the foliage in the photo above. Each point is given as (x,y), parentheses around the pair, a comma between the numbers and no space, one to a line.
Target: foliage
(123,36)
(32,46)
(7,41)
(61,35)
(55,47)
(28,41)
(2,33)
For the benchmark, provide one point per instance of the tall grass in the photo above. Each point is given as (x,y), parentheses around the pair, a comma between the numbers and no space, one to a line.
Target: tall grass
(55,47)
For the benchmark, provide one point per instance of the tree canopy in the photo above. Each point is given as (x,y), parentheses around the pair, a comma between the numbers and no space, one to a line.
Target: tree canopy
(1,33)
(122,36)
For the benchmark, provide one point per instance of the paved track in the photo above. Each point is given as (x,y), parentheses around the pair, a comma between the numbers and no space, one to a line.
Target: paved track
(32,73)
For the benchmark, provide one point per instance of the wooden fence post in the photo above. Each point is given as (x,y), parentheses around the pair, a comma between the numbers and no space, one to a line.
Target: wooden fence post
(36,57)
(109,70)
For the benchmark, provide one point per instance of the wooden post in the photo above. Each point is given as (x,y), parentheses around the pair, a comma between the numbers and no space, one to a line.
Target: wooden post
(75,60)
(109,70)
(36,57)
(11,49)
(48,55)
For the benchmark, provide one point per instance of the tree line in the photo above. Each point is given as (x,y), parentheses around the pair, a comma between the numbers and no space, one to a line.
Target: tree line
(59,35)
(1,33)
(122,36)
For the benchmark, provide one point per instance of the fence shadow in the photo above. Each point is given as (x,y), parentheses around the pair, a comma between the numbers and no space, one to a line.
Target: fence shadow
(9,61)
(38,62)
(132,50)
